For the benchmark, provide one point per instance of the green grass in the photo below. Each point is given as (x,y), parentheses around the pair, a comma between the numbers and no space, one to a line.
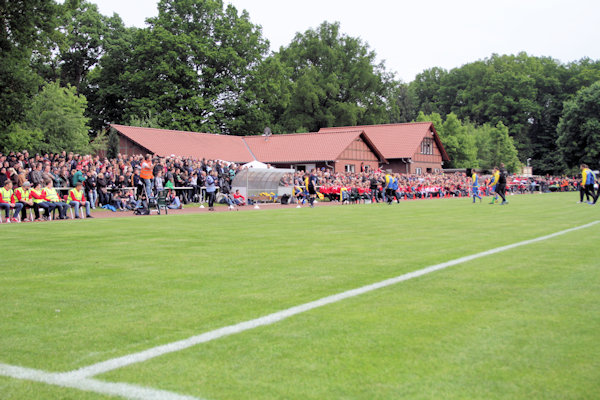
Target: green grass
(519,324)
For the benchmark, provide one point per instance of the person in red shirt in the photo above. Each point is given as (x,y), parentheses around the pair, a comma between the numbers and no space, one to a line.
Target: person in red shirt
(238,198)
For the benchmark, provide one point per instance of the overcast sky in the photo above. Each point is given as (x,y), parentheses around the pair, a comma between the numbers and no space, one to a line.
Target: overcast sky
(412,36)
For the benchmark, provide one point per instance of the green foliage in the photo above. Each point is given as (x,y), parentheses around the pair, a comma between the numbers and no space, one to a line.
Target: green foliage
(334,81)
(502,149)
(525,93)
(112,148)
(23,26)
(189,68)
(55,122)
(472,331)
(471,146)
(458,140)
(100,142)
(20,137)
(579,128)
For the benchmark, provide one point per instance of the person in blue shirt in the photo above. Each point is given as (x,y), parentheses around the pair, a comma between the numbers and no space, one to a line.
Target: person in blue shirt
(391,186)
(475,186)
(211,187)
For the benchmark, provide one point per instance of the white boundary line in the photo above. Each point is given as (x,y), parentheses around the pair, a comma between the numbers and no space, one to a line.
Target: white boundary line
(119,362)
(125,390)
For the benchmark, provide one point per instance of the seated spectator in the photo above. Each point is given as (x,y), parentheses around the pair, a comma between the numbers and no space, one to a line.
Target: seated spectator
(23,195)
(37,194)
(77,199)
(51,196)
(8,201)
(173,200)
(238,198)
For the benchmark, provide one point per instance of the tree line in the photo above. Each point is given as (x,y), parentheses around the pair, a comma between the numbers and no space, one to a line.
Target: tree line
(67,71)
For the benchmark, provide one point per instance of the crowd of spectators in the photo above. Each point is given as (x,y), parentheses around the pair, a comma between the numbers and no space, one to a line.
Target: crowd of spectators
(116,183)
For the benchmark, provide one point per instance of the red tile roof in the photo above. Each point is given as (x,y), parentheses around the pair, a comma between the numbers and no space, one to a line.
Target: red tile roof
(164,142)
(397,140)
(387,142)
(303,147)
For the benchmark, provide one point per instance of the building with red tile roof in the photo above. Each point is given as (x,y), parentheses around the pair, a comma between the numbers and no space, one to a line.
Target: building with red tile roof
(407,148)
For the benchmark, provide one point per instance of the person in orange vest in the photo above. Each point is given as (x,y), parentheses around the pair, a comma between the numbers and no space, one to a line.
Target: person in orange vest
(8,201)
(77,199)
(146,174)
(23,195)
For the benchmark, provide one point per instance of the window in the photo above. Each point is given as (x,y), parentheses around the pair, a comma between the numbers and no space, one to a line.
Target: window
(418,171)
(428,170)
(349,167)
(427,146)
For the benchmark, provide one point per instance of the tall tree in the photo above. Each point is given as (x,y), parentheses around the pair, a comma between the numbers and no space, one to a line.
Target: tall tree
(190,66)
(335,81)
(579,128)
(23,25)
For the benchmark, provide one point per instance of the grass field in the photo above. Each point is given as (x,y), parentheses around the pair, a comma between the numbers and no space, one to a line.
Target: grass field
(520,324)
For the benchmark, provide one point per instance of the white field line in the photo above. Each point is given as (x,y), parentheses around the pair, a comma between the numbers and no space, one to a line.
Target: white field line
(125,390)
(115,363)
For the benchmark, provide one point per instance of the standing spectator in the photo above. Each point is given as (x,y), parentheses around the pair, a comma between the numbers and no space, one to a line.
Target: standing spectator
(77,176)
(210,189)
(90,188)
(158,180)
(35,176)
(146,174)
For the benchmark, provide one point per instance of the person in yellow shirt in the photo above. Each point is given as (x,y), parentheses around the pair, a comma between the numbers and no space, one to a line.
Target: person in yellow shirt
(493,183)
(587,184)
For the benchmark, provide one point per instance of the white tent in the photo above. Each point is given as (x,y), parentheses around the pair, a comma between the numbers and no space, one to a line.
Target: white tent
(256,164)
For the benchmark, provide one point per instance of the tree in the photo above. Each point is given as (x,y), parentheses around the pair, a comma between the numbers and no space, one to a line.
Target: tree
(191,65)
(525,93)
(83,29)
(109,88)
(502,148)
(23,25)
(459,142)
(55,122)
(579,128)
(402,103)
(335,81)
